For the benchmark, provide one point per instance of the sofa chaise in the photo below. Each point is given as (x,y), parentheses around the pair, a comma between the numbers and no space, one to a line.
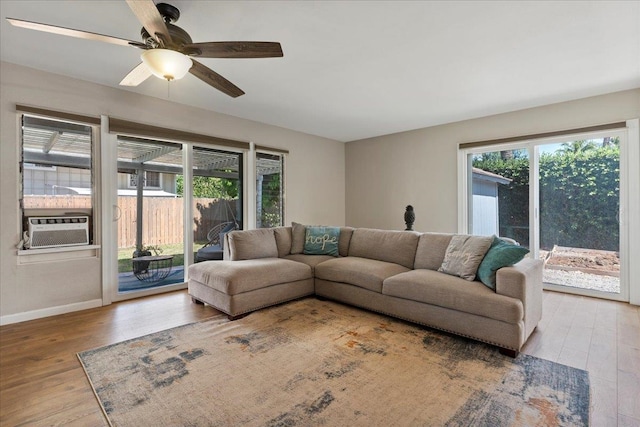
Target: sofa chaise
(390,272)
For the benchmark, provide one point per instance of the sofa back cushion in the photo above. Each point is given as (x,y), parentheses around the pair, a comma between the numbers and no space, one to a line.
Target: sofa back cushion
(283,240)
(398,247)
(431,250)
(252,244)
(298,233)
(345,240)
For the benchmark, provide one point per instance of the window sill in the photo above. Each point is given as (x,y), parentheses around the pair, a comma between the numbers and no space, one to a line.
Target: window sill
(29,256)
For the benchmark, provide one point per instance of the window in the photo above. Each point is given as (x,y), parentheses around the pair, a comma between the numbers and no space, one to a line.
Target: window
(56,167)
(151,180)
(269,190)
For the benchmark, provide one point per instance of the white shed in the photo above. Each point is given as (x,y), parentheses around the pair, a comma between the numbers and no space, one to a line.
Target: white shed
(485,202)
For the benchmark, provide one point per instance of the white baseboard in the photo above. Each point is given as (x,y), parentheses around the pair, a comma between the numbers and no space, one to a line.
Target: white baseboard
(50,311)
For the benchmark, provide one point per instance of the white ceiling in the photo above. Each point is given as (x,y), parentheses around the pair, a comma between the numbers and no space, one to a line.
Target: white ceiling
(357,69)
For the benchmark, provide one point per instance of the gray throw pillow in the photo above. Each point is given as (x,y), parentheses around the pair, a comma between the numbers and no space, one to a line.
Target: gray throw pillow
(298,234)
(464,254)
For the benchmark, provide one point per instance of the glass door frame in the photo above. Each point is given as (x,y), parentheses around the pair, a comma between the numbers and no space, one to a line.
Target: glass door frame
(533,149)
(110,214)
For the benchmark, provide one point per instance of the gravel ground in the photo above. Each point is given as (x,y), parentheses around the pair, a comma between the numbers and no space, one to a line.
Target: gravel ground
(578,279)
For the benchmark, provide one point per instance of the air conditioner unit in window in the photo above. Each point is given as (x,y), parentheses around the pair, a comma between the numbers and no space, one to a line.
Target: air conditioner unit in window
(53,232)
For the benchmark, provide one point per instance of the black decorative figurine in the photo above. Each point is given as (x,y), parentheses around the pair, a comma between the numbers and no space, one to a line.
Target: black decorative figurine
(409,218)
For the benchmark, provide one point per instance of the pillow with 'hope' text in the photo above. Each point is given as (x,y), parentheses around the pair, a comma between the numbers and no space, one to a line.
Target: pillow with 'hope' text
(321,241)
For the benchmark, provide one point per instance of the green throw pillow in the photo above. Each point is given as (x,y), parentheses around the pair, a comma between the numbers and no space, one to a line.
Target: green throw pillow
(500,254)
(321,241)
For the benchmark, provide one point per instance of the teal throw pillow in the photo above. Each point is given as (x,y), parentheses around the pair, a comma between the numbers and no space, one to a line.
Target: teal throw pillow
(500,254)
(321,241)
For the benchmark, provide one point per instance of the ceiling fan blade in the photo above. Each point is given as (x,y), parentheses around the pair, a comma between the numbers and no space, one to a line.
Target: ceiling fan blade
(237,49)
(214,79)
(73,33)
(148,15)
(136,76)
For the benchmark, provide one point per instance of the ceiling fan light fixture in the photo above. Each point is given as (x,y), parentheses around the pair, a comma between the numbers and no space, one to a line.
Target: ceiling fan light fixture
(166,63)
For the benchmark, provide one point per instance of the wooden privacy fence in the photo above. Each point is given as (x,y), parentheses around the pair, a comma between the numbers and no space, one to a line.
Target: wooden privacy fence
(57,202)
(162,217)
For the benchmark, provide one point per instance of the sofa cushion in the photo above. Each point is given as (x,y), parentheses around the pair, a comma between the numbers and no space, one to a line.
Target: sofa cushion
(321,240)
(363,272)
(236,277)
(252,244)
(344,240)
(500,254)
(431,250)
(283,240)
(397,247)
(310,260)
(452,292)
(464,254)
(298,232)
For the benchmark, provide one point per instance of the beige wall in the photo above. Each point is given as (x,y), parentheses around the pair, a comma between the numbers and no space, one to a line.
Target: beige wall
(419,167)
(314,170)
(379,176)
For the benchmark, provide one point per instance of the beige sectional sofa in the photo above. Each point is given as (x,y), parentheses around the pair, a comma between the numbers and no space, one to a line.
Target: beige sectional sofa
(391,272)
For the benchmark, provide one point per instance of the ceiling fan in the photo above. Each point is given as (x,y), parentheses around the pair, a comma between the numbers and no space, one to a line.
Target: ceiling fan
(168,49)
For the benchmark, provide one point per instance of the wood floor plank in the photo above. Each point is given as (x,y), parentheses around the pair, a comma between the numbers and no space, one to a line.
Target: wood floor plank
(604,402)
(578,338)
(602,361)
(574,358)
(628,393)
(624,421)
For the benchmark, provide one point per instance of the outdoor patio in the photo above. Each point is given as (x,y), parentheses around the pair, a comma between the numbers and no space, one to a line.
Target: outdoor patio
(128,282)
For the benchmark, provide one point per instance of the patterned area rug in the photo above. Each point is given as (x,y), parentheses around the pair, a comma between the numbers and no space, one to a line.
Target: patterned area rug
(312,362)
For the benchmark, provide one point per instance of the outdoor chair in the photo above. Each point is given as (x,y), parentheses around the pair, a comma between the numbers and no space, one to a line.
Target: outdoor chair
(214,248)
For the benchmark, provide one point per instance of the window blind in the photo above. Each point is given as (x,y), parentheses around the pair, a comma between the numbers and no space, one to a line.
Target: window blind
(489,142)
(58,114)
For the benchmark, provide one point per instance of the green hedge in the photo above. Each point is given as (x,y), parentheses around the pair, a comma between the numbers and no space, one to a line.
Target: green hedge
(579,197)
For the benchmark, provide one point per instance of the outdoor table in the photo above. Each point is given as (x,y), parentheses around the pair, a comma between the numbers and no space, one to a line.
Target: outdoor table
(152,268)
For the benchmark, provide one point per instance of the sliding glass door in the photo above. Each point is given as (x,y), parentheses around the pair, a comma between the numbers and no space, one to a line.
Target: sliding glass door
(170,205)
(579,182)
(561,199)
(151,214)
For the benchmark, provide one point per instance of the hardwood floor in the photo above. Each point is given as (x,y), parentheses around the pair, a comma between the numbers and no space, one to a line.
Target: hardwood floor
(42,382)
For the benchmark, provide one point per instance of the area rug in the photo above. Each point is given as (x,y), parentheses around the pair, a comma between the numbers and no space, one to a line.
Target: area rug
(312,362)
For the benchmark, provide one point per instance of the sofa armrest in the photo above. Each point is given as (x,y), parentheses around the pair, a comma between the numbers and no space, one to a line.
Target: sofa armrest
(524,282)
